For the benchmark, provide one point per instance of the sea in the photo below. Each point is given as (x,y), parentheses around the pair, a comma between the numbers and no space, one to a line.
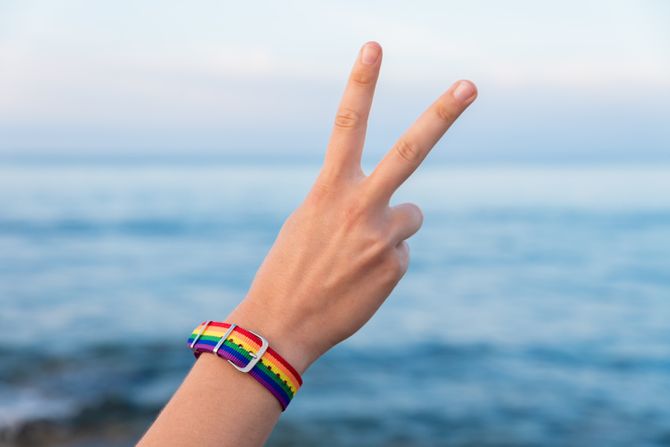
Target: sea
(535,312)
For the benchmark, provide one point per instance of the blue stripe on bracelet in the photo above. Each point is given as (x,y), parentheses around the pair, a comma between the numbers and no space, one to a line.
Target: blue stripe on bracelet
(229,353)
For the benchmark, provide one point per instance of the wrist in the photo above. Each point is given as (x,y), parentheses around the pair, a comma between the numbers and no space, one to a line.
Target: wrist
(282,337)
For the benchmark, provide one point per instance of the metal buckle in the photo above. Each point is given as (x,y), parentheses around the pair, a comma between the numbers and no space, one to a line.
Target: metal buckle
(224,338)
(202,331)
(255,357)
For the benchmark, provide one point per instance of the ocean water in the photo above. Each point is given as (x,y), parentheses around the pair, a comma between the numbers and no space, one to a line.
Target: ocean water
(536,311)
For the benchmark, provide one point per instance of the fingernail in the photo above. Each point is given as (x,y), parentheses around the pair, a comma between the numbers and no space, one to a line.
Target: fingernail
(464,91)
(370,54)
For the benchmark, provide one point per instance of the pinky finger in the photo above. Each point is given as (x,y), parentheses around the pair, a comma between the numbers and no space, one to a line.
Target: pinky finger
(402,250)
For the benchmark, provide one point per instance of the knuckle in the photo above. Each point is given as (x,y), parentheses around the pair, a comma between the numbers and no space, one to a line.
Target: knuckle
(407,151)
(354,211)
(355,214)
(412,209)
(347,119)
(379,243)
(417,213)
(320,191)
(397,266)
(404,256)
(362,77)
(385,242)
(446,113)
(330,175)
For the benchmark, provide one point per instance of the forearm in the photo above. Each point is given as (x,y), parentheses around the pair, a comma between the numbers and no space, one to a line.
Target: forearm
(216,405)
(336,259)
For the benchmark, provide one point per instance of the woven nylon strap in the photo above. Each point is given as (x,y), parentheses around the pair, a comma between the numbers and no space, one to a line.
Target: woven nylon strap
(240,348)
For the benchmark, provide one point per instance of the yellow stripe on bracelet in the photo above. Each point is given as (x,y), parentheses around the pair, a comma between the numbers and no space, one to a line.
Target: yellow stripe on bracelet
(241,347)
(268,359)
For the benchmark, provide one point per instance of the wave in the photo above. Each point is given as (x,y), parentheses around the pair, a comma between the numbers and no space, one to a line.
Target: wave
(107,420)
(107,394)
(133,227)
(245,221)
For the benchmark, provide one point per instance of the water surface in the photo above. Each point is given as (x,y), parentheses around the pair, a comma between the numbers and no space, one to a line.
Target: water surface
(535,312)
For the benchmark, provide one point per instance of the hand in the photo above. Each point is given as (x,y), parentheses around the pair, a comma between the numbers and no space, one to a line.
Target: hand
(341,253)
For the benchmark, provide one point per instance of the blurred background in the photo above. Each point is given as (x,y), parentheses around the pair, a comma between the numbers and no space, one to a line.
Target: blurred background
(150,151)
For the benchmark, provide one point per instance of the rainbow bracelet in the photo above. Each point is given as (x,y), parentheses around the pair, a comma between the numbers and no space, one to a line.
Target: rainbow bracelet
(249,353)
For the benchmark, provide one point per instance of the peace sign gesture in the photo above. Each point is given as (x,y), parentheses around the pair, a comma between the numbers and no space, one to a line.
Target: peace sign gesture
(335,260)
(341,253)
(346,144)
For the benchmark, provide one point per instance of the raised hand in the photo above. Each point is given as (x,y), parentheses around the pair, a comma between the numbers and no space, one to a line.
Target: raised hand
(341,253)
(335,260)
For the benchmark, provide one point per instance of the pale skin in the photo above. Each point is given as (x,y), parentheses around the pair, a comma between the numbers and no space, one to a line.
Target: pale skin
(336,259)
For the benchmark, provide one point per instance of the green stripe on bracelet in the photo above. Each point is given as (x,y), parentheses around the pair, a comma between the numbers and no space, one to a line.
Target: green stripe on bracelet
(245,354)
(271,370)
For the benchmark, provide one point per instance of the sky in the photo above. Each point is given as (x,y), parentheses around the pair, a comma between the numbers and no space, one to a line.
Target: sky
(571,81)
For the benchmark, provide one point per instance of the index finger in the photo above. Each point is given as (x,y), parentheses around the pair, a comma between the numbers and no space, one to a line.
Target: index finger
(409,151)
(348,136)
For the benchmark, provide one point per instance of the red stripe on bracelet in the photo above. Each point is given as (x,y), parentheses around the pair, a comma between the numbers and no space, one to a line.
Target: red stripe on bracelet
(272,370)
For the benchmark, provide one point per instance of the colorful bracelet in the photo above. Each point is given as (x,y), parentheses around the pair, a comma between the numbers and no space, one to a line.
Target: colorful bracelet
(249,353)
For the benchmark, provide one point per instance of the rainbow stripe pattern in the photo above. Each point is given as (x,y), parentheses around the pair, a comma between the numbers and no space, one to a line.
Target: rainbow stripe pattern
(272,371)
